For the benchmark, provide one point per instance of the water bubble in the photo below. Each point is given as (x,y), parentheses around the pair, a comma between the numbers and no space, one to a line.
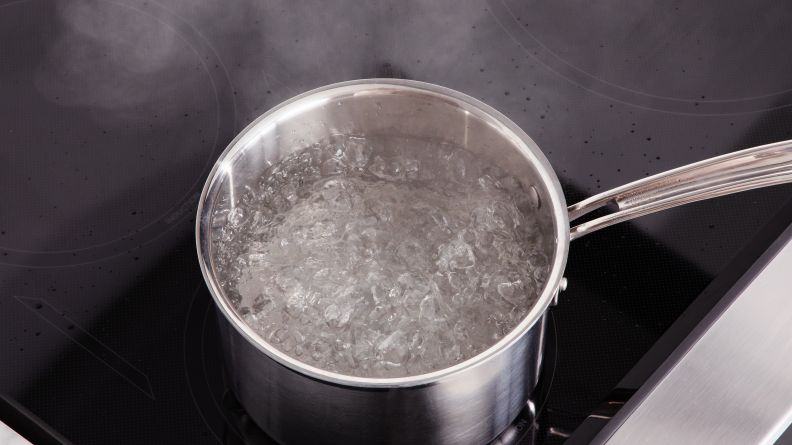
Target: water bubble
(381,257)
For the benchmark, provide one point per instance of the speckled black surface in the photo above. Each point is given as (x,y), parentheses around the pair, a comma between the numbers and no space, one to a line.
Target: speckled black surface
(112,112)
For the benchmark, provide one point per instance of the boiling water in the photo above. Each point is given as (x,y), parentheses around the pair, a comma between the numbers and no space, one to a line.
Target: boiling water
(381,256)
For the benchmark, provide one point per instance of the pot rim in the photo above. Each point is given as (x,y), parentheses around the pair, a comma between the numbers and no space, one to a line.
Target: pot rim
(320,96)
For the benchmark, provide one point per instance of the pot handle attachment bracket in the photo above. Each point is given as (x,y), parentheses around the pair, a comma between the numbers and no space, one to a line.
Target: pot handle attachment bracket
(562,286)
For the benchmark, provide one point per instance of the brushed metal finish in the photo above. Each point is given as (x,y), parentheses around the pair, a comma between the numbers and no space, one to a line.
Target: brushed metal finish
(730,173)
(470,402)
(734,385)
(470,407)
(10,437)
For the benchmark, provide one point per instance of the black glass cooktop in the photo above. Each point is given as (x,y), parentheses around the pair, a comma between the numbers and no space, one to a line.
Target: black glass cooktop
(112,112)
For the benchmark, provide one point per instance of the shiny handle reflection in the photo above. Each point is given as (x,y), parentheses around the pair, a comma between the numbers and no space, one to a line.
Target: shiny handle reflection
(731,173)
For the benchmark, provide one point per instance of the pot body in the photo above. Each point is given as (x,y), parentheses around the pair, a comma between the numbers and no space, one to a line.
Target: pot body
(470,407)
(468,403)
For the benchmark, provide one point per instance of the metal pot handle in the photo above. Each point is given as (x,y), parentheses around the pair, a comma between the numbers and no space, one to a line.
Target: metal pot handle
(730,173)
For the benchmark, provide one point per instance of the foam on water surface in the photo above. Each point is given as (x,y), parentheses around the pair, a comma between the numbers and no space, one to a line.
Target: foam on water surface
(381,256)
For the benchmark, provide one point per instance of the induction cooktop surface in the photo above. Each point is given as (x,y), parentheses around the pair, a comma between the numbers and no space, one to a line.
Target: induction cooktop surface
(113,113)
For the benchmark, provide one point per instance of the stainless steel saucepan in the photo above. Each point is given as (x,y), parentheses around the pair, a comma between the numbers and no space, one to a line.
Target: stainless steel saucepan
(473,401)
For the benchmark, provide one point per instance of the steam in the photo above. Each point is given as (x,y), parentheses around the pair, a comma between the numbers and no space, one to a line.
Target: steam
(119,62)
(126,65)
